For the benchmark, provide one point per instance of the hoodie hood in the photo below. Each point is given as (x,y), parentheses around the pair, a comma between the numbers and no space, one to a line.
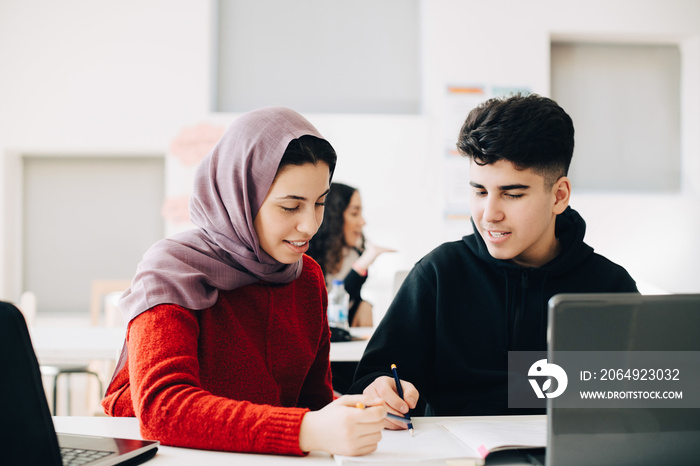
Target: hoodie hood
(525,290)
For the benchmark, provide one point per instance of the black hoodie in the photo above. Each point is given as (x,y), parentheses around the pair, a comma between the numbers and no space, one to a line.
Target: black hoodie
(460,311)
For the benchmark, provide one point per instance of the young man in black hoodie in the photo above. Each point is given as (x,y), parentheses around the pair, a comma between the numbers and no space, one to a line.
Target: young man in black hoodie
(469,302)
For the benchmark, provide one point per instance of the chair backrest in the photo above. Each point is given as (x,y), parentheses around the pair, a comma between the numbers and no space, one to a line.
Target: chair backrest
(112,314)
(399,277)
(103,308)
(27,305)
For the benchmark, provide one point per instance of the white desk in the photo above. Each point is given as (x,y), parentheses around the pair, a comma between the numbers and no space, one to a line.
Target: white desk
(79,344)
(351,350)
(129,428)
(76,344)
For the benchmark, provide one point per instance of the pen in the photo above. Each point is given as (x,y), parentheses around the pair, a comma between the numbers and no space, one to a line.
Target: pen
(399,390)
(389,415)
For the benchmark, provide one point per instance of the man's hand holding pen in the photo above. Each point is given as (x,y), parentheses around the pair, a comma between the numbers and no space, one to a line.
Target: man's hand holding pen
(385,388)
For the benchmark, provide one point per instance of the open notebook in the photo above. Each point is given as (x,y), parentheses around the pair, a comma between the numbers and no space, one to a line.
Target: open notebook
(27,434)
(460,439)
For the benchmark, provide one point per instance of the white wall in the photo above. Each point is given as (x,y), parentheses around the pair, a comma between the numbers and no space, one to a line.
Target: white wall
(82,77)
(508,42)
(124,77)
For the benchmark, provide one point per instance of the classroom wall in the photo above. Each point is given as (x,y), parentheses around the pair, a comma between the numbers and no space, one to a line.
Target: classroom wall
(90,79)
(125,77)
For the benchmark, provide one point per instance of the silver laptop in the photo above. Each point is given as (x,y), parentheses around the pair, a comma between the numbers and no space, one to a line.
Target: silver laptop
(27,435)
(624,338)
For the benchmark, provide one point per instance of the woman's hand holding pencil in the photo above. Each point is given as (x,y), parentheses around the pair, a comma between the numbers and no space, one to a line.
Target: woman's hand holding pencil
(385,388)
(340,428)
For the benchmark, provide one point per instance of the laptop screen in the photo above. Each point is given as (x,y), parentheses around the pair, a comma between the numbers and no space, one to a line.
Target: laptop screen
(613,330)
(27,434)
(26,428)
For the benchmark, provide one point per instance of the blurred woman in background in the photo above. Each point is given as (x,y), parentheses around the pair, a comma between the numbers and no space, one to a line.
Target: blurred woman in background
(340,249)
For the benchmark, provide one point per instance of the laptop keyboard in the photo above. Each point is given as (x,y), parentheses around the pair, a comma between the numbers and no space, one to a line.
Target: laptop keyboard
(75,457)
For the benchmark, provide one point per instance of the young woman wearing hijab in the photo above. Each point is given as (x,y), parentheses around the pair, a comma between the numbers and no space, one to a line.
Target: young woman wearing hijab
(227,344)
(339,248)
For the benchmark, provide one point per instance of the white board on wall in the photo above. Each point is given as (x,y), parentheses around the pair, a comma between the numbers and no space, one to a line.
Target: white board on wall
(86,218)
(625,103)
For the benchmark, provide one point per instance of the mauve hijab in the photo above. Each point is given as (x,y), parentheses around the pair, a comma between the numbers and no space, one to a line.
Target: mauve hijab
(223,253)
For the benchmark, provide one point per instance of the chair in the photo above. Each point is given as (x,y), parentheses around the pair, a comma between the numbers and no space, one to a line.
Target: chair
(56,371)
(28,306)
(104,310)
(399,277)
(103,301)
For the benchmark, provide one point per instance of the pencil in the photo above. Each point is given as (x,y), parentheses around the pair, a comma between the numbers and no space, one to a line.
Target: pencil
(399,390)
(389,415)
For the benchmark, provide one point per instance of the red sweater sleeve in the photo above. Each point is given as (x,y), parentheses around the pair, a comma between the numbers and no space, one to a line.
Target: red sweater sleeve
(173,408)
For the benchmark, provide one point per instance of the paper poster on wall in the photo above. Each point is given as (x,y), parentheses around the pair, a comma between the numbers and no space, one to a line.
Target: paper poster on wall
(186,151)
(457,188)
(461,99)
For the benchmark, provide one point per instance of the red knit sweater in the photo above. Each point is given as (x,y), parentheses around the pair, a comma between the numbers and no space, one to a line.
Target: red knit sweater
(238,376)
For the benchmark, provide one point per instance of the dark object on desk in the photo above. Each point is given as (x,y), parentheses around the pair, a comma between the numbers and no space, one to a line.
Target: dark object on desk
(622,322)
(536,456)
(340,334)
(27,435)
(533,456)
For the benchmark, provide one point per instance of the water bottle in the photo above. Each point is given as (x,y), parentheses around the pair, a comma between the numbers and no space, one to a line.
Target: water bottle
(338,302)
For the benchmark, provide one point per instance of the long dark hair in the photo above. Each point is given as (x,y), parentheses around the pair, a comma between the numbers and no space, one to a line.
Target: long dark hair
(326,247)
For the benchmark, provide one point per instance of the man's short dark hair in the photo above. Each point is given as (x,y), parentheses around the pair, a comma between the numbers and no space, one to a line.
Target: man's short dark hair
(529,131)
